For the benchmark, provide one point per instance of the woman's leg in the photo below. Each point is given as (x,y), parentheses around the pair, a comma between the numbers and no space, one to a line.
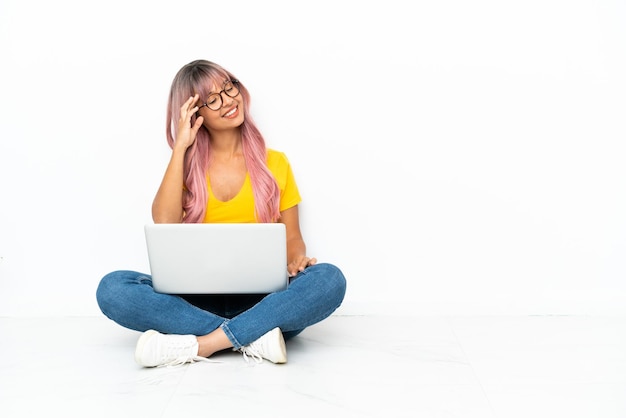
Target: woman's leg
(312,296)
(127,297)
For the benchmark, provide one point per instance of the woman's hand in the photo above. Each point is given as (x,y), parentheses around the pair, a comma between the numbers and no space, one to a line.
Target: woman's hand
(186,131)
(299,264)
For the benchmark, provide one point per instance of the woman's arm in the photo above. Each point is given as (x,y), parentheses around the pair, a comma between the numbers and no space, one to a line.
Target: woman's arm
(296,249)
(167,206)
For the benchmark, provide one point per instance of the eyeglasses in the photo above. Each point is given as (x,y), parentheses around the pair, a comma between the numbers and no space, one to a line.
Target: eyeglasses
(215,102)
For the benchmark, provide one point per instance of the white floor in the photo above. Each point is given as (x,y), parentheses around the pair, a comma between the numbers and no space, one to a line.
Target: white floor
(346,366)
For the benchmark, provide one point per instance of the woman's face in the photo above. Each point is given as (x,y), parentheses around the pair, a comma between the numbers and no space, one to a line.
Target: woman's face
(223,108)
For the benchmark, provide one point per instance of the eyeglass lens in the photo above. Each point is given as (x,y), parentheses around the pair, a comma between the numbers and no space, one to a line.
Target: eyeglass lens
(214,102)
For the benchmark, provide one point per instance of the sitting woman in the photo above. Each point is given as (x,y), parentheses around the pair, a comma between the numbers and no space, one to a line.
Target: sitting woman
(221,171)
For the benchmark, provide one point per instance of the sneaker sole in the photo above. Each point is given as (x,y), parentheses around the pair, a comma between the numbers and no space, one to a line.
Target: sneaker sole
(141,343)
(283,349)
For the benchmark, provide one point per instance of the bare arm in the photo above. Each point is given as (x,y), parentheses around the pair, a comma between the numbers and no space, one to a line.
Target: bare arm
(167,206)
(296,248)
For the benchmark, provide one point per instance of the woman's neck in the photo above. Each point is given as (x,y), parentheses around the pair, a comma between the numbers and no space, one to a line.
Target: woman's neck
(226,144)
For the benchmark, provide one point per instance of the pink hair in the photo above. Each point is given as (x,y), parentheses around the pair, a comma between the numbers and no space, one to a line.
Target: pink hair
(200,77)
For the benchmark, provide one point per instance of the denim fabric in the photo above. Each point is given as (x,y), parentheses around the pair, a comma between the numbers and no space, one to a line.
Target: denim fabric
(127,297)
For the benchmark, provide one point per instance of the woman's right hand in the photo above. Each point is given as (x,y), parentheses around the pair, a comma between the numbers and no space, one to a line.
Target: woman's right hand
(186,131)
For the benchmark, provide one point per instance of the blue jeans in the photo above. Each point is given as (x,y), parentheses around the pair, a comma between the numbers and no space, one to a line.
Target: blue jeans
(127,297)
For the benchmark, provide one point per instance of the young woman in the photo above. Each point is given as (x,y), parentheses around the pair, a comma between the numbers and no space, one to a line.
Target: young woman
(221,171)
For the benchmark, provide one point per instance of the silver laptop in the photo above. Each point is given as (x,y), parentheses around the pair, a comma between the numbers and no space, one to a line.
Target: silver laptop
(218,258)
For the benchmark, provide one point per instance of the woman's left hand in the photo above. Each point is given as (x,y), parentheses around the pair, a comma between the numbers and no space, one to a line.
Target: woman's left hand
(299,264)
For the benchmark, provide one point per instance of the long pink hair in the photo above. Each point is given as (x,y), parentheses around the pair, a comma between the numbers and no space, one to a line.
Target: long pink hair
(201,76)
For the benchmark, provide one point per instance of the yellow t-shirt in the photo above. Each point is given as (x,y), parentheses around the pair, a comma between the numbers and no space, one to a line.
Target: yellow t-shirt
(240,209)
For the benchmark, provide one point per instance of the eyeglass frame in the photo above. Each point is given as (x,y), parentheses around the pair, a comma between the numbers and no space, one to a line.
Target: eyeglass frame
(234,83)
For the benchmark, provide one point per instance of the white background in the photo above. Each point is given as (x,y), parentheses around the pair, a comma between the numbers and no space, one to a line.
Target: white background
(455,157)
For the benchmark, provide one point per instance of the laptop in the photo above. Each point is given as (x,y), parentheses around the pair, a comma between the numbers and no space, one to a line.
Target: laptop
(217,258)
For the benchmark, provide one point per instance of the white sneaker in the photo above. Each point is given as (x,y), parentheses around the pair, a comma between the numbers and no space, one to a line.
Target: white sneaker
(155,349)
(270,346)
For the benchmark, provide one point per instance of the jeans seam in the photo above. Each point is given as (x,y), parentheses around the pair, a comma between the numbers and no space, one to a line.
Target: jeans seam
(236,344)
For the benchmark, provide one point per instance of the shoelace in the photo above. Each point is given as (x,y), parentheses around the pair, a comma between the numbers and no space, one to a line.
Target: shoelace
(179,361)
(250,352)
